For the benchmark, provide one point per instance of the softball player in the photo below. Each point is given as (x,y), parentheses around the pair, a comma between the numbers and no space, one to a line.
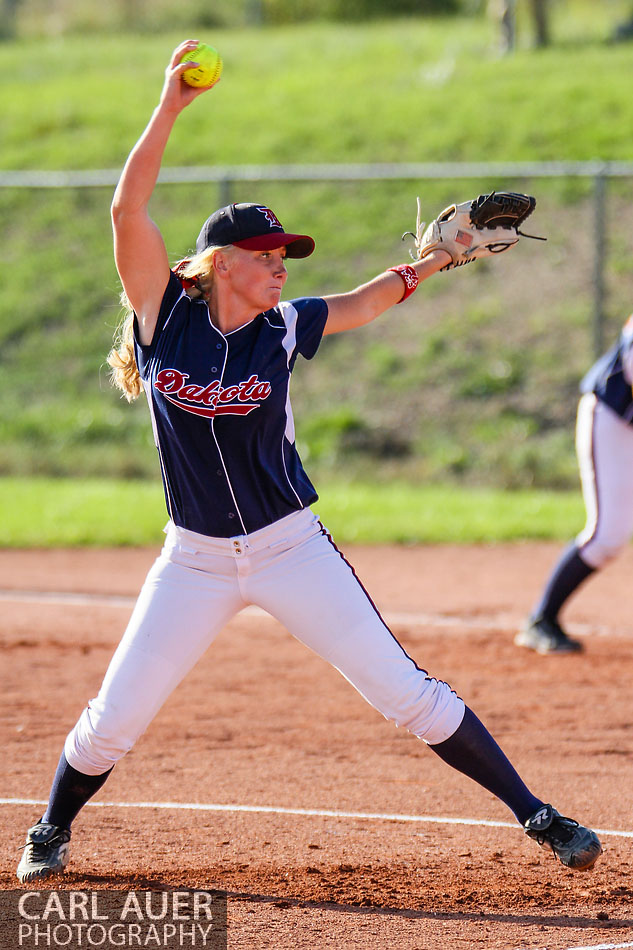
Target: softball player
(604,446)
(213,346)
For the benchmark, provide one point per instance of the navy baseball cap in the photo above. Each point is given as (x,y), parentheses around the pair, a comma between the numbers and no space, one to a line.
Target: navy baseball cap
(253,227)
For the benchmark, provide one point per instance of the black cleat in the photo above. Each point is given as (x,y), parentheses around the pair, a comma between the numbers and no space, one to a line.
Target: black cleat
(46,852)
(546,636)
(576,847)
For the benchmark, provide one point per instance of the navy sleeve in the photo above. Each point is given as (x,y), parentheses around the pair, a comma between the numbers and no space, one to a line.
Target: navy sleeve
(626,348)
(597,375)
(312,315)
(173,292)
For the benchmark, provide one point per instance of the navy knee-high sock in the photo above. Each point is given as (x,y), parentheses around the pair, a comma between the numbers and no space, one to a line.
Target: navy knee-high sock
(568,574)
(473,751)
(70,792)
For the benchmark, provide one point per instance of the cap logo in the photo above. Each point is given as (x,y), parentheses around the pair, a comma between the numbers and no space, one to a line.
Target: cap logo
(271,218)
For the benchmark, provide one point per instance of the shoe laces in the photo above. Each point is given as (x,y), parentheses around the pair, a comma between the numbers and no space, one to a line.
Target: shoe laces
(40,849)
(38,852)
(561,830)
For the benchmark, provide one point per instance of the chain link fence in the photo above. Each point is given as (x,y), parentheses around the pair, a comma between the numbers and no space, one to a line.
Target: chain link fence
(475,378)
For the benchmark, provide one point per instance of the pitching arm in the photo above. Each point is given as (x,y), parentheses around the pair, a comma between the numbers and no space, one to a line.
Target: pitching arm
(139,250)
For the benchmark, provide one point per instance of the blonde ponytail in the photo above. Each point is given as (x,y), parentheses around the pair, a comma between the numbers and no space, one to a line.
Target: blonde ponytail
(196,275)
(124,372)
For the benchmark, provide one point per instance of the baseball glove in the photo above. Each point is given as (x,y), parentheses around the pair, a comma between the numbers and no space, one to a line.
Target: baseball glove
(486,225)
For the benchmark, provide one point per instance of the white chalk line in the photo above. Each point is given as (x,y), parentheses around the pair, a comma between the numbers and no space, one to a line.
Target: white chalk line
(306,812)
(65,598)
(493,621)
(589,946)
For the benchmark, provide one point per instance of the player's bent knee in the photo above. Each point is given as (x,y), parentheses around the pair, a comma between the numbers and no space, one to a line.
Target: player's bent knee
(596,553)
(94,750)
(426,707)
(438,717)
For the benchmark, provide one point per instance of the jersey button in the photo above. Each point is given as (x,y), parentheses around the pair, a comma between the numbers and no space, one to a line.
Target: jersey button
(218,346)
(214,369)
(231,515)
(219,472)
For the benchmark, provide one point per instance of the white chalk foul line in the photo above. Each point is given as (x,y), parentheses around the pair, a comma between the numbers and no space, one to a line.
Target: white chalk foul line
(600,946)
(65,598)
(305,812)
(497,622)
(589,946)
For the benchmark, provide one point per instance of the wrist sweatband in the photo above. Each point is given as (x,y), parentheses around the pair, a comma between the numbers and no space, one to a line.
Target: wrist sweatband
(409,278)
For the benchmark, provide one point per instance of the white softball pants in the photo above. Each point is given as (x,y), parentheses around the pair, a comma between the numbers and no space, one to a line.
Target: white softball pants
(291,569)
(604,445)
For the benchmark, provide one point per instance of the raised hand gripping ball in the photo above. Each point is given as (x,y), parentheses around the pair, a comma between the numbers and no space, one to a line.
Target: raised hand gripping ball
(209,68)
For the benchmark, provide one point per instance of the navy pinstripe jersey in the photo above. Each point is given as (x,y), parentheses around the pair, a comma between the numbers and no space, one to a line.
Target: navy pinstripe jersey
(221,413)
(610,377)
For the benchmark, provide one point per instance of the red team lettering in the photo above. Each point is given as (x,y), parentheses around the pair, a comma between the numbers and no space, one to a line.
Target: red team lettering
(271,217)
(219,399)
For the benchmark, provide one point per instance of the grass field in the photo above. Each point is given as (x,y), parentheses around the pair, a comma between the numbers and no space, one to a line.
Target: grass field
(404,90)
(473,381)
(68,513)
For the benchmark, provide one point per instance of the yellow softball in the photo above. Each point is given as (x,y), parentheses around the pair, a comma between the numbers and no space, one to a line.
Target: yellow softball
(209,68)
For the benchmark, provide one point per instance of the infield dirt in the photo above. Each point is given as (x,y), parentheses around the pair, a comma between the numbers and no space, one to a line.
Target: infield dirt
(261,721)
